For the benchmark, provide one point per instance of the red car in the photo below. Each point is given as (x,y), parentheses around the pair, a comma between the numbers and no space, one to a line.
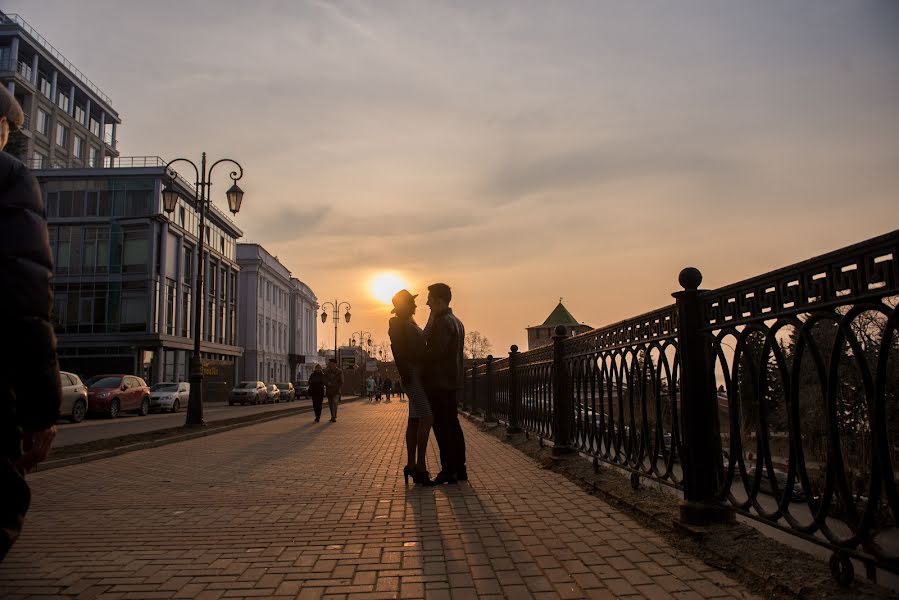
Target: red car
(115,394)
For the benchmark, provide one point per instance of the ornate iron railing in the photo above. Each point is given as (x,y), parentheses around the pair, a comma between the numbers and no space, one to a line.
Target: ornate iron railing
(776,398)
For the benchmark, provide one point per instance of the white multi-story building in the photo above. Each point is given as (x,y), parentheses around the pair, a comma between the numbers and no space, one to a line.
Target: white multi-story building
(303,331)
(274,325)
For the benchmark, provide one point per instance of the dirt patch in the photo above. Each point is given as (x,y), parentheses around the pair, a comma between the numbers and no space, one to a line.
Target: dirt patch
(763,565)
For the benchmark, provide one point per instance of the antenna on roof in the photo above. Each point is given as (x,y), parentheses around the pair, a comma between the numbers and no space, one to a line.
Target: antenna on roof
(560,299)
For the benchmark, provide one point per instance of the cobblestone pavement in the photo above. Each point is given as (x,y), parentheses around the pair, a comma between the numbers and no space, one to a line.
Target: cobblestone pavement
(296,509)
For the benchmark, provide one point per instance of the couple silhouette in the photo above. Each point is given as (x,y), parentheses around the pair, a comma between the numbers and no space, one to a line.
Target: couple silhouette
(430,363)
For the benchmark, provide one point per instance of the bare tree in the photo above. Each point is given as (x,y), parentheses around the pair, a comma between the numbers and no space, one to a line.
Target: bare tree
(476,345)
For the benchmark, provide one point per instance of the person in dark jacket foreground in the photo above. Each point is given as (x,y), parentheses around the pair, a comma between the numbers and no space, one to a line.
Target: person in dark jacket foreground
(317,391)
(443,372)
(29,373)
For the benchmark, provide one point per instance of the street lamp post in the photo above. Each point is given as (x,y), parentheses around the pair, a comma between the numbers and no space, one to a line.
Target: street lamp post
(364,336)
(202,199)
(336,306)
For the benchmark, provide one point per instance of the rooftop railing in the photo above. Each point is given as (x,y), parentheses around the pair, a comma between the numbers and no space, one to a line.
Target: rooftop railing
(122,162)
(46,45)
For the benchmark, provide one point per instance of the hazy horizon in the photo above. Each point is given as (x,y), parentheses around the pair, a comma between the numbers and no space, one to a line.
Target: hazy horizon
(519,151)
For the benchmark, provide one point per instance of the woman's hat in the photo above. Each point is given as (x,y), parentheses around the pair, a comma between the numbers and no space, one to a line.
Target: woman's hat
(402,298)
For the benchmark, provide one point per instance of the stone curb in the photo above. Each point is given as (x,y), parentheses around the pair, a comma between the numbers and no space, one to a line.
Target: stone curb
(210,430)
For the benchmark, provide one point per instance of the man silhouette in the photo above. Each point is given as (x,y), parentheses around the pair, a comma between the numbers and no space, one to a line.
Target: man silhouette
(443,373)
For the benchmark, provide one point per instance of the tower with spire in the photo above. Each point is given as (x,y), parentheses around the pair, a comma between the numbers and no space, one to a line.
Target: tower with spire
(542,335)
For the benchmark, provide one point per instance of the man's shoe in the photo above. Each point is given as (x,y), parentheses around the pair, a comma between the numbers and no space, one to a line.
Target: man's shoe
(462,474)
(316,419)
(445,477)
(333,420)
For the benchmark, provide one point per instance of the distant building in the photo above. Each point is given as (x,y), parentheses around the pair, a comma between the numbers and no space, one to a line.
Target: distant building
(124,272)
(542,335)
(277,322)
(69,121)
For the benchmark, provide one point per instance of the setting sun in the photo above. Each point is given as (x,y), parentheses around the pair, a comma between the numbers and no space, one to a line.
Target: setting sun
(384,285)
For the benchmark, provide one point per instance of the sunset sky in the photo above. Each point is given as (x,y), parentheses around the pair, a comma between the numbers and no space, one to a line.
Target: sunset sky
(519,151)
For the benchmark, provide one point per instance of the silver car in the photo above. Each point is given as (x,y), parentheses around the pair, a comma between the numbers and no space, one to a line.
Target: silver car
(74,397)
(169,396)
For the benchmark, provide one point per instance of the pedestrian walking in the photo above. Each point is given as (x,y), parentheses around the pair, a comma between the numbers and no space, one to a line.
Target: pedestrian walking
(443,372)
(29,372)
(333,382)
(317,391)
(370,388)
(388,388)
(408,346)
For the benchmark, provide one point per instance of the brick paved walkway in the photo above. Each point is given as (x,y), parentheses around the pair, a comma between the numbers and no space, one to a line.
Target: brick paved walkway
(295,509)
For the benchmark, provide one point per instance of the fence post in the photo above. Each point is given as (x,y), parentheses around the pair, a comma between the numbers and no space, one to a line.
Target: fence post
(561,400)
(474,388)
(464,394)
(514,393)
(490,405)
(699,410)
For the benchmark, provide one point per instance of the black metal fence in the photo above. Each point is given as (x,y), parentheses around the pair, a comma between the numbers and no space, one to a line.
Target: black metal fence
(776,398)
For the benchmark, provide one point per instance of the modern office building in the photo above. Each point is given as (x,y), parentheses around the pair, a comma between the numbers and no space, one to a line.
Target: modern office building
(69,121)
(125,269)
(277,319)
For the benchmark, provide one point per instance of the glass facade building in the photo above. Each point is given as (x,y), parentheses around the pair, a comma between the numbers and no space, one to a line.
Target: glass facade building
(124,274)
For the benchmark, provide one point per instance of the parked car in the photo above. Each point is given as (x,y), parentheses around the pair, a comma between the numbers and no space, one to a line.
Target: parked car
(114,394)
(302,389)
(74,397)
(273,393)
(169,396)
(288,394)
(248,392)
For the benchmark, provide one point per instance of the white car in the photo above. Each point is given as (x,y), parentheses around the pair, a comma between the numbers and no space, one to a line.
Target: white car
(169,396)
(74,397)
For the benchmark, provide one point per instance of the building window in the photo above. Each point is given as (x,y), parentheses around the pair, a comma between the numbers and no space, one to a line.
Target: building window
(62,100)
(170,296)
(93,157)
(38,160)
(134,311)
(79,114)
(61,134)
(94,126)
(181,216)
(136,250)
(188,262)
(45,85)
(43,122)
(78,147)
(95,255)
(185,312)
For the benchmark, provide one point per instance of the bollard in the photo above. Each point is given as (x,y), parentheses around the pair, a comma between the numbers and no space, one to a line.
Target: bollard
(562,411)
(514,393)
(701,442)
(490,405)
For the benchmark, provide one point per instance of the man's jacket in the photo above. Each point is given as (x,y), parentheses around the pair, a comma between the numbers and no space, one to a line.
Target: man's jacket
(333,381)
(29,373)
(443,365)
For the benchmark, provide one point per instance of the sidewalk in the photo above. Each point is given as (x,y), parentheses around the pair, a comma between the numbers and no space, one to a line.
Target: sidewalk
(295,509)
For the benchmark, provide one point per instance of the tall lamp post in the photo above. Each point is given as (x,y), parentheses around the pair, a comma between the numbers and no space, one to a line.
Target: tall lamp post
(202,200)
(336,306)
(364,336)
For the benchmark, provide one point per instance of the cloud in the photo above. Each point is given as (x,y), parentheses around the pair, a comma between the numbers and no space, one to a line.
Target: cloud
(287,224)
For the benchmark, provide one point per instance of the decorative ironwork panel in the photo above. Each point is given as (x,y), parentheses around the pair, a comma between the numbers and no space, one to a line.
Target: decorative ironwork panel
(659,324)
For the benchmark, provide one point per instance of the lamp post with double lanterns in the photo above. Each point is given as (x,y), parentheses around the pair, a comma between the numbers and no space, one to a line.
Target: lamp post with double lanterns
(363,341)
(202,200)
(336,306)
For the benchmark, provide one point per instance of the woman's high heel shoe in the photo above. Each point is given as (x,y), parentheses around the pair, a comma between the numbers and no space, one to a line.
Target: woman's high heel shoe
(408,472)
(422,478)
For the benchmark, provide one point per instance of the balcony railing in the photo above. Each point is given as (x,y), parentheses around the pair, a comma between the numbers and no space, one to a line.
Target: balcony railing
(46,45)
(775,398)
(13,65)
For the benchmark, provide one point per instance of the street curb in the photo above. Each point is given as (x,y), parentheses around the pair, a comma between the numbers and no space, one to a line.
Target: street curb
(210,430)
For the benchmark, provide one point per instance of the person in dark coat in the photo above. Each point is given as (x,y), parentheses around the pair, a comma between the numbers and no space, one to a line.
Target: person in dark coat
(443,373)
(30,391)
(317,391)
